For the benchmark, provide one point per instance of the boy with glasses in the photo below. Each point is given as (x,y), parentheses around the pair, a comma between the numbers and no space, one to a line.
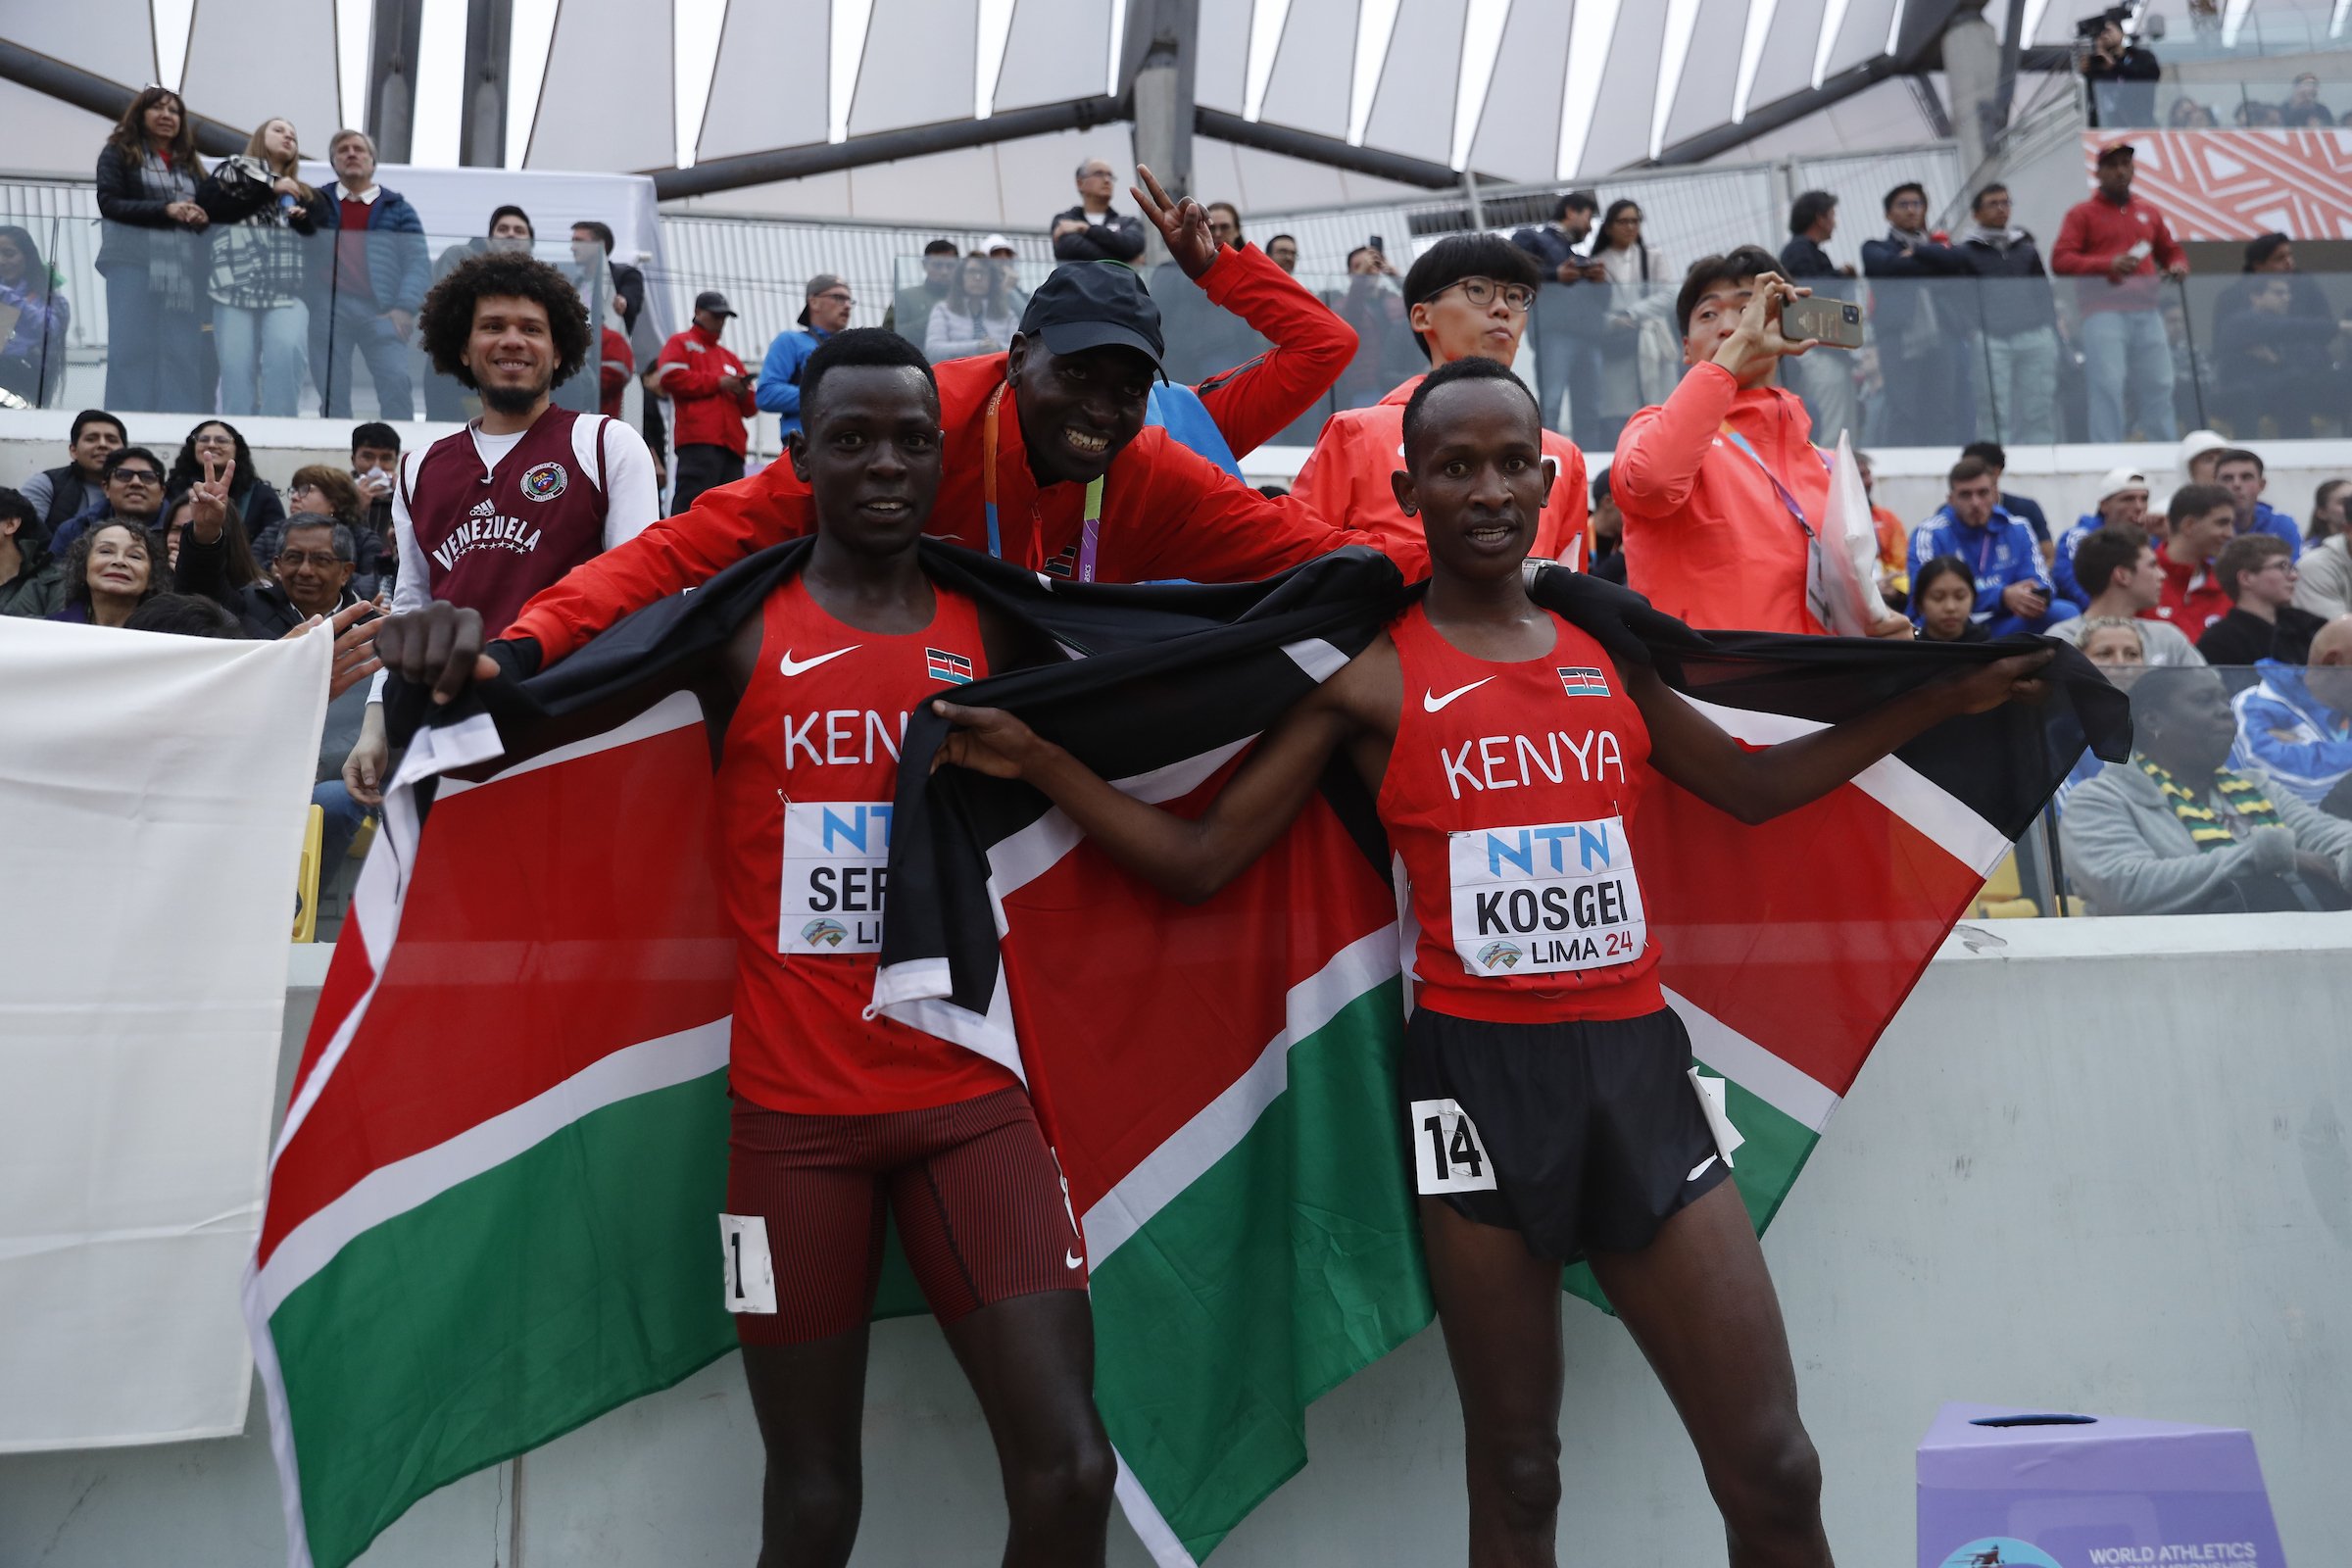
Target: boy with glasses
(131,491)
(1467,297)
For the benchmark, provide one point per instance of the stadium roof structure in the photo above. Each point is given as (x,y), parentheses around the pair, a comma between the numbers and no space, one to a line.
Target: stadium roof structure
(710,95)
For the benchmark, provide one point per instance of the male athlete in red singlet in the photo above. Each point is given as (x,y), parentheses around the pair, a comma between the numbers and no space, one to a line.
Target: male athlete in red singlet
(840,1117)
(1545,1092)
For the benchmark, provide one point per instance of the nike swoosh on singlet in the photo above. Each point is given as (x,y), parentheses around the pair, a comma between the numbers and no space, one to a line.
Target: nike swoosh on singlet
(1430,702)
(802,667)
(1073,1260)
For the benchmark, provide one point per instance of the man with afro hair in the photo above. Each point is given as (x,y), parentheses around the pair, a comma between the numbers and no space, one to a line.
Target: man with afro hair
(488,516)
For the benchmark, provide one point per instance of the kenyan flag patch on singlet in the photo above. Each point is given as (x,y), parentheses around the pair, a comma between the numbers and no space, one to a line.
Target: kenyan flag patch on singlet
(1582,681)
(947,666)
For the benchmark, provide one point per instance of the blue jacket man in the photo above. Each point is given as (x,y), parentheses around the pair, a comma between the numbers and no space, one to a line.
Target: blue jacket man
(2122,499)
(366,287)
(826,312)
(2014,592)
(2287,730)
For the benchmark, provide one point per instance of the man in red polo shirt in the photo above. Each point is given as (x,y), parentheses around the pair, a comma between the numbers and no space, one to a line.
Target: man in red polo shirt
(2203,519)
(709,395)
(1468,298)
(1049,463)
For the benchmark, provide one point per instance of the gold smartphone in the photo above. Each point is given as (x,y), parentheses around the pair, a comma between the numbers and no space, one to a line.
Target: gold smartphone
(1835,322)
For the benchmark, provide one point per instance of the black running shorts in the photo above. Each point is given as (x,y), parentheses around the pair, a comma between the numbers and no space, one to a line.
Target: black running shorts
(1581,1135)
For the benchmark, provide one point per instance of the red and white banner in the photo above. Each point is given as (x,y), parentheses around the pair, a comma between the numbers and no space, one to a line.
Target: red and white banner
(2236,184)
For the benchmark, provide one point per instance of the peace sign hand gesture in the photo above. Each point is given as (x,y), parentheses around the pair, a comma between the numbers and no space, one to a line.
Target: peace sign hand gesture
(1183,225)
(209,513)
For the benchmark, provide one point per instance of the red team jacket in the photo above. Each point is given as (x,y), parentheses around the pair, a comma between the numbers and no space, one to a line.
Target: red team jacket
(700,413)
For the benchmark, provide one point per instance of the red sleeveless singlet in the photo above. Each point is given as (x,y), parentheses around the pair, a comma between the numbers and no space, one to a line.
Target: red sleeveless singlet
(1508,797)
(805,786)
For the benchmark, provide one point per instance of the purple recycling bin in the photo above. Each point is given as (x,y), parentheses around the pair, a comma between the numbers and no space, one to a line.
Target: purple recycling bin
(2000,1488)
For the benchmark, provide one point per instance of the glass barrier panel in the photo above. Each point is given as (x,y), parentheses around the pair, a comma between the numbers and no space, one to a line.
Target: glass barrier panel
(38,326)
(2279,99)
(2274,352)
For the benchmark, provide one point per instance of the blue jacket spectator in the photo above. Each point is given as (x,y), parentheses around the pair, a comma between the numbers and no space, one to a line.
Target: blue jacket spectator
(33,358)
(369,269)
(399,263)
(2245,476)
(2122,499)
(1998,550)
(2288,732)
(826,311)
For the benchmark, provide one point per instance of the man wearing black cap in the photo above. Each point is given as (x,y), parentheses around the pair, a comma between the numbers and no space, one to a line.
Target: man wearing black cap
(709,395)
(1049,463)
(2117,243)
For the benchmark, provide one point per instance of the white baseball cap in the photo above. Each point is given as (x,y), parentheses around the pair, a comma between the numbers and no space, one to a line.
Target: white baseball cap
(2116,481)
(995,243)
(2199,442)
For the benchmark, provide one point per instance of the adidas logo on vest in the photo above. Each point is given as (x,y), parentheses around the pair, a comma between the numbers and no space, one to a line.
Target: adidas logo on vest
(485,508)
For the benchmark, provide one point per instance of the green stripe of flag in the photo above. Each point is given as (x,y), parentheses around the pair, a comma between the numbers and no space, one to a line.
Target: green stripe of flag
(1225,1315)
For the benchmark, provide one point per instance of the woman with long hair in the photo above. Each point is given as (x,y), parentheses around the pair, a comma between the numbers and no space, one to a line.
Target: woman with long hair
(975,318)
(33,354)
(1640,358)
(110,570)
(148,172)
(255,499)
(263,216)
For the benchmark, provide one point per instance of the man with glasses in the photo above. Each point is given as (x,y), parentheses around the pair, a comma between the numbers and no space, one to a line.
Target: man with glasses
(131,491)
(1092,231)
(709,395)
(1467,297)
(826,311)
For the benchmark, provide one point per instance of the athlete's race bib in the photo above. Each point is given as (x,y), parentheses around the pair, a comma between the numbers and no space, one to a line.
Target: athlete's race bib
(836,860)
(1545,897)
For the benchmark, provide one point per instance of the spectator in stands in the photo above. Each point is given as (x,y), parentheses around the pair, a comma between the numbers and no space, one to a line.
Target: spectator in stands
(186,615)
(2324,570)
(1605,559)
(2256,115)
(314,568)
(2013,590)
(509,230)
(2276,365)
(1466,297)
(910,313)
(374,463)
(262,217)
(1721,491)
(2023,508)
(1000,250)
(322,491)
(2176,831)
(975,318)
(825,311)
(109,572)
(1920,322)
(2240,471)
(710,396)
(2017,386)
(2296,724)
(1894,539)
(2116,644)
(1638,364)
(255,498)
(1386,349)
(1943,602)
(2122,75)
(2123,502)
(370,282)
(588,238)
(78,484)
(1826,381)
(1567,317)
(1283,250)
(1202,337)
(2200,516)
(1092,231)
(147,176)
(2119,570)
(32,351)
(2268,256)
(30,578)
(2115,242)
(2258,573)
(132,492)
(2199,449)
(236,554)
(2189,115)
(2303,107)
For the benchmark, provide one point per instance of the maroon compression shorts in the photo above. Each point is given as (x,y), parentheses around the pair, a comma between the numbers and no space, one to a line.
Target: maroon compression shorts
(982,1212)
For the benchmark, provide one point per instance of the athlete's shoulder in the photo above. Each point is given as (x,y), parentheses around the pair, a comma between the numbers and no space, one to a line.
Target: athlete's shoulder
(1370,687)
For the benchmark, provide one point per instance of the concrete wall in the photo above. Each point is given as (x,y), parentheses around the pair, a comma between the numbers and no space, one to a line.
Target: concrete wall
(2097,1166)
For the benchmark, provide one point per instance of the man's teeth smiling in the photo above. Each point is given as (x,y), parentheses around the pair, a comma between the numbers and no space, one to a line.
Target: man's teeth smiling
(1091,445)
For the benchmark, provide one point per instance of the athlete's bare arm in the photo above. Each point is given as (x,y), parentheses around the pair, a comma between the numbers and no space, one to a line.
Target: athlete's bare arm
(1191,859)
(1688,748)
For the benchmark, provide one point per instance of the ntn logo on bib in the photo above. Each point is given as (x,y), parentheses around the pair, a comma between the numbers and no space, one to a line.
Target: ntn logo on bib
(836,870)
(1544,897)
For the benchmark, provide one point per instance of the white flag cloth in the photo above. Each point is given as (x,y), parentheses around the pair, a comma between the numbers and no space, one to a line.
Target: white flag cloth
(1844,575)
(154,790)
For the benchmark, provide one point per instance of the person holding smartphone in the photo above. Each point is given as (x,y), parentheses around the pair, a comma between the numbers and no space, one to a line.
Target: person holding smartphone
(1722,491)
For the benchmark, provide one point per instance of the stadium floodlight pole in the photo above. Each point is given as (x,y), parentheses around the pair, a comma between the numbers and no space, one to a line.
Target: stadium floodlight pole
(1162,95)
(482,122)
(85,89)
(395,38)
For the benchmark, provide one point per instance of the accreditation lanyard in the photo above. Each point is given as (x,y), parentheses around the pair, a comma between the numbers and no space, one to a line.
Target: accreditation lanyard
(1774,479)
(1089,528)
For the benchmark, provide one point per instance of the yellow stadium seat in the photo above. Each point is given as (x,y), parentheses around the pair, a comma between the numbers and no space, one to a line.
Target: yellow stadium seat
(361,840)
(2002,897)
(305,877)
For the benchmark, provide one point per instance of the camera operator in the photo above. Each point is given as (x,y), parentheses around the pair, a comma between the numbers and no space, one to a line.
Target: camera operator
(2122,75)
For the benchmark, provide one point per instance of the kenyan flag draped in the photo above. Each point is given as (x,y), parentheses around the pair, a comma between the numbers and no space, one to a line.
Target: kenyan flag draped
(490,1215)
